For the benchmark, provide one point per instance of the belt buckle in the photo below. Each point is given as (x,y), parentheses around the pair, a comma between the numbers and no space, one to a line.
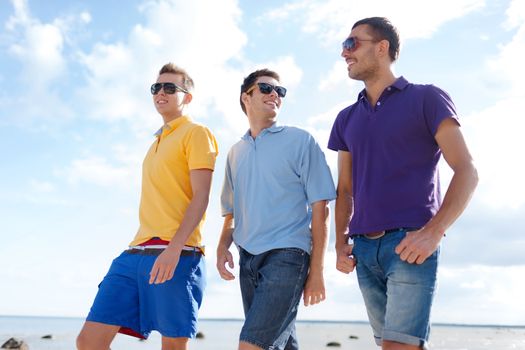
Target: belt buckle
(377,236)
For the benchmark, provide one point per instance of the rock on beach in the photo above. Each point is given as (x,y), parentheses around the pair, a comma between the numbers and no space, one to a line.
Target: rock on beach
(334,344)
(199,335)
(13,343)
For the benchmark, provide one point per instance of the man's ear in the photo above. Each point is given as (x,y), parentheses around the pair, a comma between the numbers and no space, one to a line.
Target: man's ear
(384,47)
(244,98)
(187,98)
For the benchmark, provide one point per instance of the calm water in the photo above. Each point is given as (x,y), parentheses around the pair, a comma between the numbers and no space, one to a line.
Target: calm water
(223,334)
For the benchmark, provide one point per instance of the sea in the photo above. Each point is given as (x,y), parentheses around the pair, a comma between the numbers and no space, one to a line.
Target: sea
(55,333)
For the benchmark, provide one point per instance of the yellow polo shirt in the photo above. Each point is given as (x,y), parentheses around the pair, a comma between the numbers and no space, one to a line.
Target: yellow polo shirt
(182,145)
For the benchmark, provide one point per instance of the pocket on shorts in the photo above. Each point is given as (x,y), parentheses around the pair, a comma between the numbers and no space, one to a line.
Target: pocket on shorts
(293,250)
(289,261)
(185,265)
(293,257)
(356,247)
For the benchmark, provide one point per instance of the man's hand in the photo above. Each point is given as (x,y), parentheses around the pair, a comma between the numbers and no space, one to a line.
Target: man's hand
(225,257)
(417,246)
(164,267)
(314,291)
(345,260)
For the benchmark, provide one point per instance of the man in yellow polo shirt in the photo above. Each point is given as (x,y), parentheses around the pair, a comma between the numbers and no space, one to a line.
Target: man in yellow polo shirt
(158,283)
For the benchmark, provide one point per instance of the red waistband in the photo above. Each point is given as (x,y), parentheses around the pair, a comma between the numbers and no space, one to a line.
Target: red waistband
(154,241)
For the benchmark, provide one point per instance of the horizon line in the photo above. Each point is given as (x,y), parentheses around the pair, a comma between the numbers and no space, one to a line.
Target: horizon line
(222,319)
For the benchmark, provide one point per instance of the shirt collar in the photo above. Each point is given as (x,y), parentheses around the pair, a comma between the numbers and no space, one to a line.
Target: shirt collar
(399,84)
(272,129)
(172,125)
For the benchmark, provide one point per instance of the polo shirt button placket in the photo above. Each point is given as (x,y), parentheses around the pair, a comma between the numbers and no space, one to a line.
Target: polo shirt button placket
(378,104)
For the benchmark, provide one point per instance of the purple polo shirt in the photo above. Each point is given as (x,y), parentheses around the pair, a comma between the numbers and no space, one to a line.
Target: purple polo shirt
(394,155)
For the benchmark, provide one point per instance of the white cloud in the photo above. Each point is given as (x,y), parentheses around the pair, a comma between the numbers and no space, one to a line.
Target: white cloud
(85,17)
(40,50)
(495,134)
(41,186)
(515,14)
(284,12)
(115,84)
(480,294)
(98,171)
(332,20)
(505,64)
(21,16)
(176,31)
(119,168)
(338,75)
(43,45)
(38,45)
(289,71)
(337,79)
(495,137)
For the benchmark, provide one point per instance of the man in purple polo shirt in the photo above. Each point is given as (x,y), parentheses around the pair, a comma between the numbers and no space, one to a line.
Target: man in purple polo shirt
(389,203)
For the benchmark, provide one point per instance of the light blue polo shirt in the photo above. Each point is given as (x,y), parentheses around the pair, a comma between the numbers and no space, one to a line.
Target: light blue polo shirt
(269,186)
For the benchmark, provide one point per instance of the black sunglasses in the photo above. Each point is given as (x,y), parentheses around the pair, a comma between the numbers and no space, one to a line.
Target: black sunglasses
(169,88)
(352,43)
(266,89)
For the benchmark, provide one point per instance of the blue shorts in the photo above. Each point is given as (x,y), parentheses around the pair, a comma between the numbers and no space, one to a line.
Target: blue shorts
(271,286)
(398,295)
(125,298)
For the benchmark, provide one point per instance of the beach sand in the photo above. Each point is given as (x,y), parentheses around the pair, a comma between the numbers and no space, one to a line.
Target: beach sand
(223,335)
(316,335)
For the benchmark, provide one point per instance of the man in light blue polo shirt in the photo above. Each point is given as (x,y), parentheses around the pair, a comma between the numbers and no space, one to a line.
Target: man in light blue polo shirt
(274,202)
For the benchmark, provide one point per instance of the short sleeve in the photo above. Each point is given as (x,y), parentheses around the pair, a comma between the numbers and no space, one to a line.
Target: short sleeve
(437,107)
(316,174)
(336,141)
(227,191)
(202,149)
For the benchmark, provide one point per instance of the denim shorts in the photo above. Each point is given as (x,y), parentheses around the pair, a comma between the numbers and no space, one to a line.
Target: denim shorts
(271,286)
(125,297)
(398,295)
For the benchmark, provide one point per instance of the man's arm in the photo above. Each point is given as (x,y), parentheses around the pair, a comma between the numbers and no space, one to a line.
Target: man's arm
(314,290)
(223,253)
(417,246)
(344,208)
(167,261)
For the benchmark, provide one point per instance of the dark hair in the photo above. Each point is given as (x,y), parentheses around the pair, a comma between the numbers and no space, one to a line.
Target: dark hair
(187,81)
(252,78)
(382,29)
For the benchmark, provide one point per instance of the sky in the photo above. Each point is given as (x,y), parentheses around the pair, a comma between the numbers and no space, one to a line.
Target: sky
(76,119)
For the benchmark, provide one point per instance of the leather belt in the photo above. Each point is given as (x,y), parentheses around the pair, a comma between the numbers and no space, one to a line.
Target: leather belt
(157,250)
(379,234)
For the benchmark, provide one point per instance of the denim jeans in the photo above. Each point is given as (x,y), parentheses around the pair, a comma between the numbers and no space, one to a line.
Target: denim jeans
(271,286)
(398,295)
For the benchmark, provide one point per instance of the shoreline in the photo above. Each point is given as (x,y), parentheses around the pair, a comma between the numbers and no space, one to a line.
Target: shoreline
(222,334)
(433,324)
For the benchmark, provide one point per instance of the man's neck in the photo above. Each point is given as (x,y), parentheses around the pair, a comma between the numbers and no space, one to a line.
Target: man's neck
(256,126)
(375,87)
(169,118)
